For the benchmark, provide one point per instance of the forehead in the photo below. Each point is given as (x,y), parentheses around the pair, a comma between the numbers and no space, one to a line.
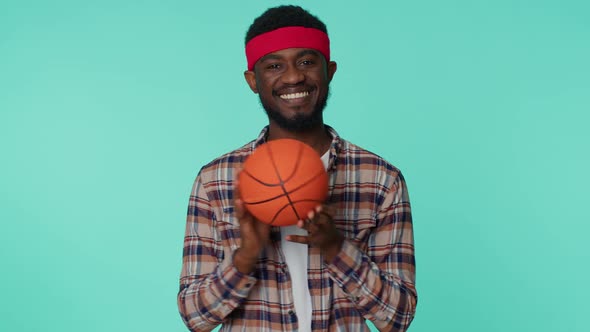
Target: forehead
(288,53)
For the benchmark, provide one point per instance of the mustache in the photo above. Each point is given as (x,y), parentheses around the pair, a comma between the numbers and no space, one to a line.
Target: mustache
(290,88)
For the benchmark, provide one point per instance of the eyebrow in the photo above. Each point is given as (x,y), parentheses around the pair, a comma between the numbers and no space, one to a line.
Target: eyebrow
(308,52)
(299,55)
(270,57)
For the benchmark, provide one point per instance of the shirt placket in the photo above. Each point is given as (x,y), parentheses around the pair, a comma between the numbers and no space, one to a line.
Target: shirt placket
(289,317)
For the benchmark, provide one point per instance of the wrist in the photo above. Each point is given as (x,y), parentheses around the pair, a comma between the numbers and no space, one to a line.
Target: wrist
(246,255)
(243,262)
(332,251)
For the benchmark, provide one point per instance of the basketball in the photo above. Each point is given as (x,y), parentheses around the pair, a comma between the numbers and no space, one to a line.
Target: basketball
(281,181)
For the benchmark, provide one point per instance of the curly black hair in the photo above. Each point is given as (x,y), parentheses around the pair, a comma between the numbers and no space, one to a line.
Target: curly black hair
(283,16)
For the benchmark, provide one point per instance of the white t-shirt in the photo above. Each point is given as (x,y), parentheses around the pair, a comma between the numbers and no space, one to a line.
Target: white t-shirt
(296,256)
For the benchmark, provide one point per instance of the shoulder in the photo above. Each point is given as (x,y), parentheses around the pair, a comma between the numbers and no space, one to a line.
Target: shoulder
(215,180)
(364,182)
(224,167)
(352,156)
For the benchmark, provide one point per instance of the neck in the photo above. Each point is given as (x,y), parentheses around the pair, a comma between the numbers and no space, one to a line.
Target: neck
(317,137)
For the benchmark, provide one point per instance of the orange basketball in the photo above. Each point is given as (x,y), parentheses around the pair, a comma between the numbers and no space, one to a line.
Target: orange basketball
(282,180)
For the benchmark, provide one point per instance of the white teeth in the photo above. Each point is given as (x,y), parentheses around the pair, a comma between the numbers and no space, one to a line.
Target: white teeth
(295,95)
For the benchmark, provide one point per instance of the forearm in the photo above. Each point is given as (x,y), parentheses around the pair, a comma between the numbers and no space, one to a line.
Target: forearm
(385,298)
(244,264)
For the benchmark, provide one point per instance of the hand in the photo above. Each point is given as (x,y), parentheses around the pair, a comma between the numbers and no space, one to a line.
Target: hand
(254,236)
(322,232)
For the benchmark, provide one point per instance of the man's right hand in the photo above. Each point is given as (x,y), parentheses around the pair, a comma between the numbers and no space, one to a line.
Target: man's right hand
(254,237)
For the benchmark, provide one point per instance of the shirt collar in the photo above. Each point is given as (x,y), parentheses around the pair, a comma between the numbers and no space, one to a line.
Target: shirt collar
(335,146)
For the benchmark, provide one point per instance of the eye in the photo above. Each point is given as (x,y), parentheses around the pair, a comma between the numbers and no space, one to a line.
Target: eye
(307,62)
(273,66)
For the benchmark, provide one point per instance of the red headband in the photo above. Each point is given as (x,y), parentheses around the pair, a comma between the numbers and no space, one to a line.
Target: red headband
(287,37)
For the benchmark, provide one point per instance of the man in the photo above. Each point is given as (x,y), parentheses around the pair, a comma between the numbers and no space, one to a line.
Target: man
(351,260)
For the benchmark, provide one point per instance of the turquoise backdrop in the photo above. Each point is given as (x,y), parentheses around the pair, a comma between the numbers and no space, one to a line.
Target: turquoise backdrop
(109,108)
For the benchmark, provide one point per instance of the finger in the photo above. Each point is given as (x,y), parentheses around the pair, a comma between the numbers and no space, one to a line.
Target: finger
(325,218)
(325,213)
(297,239)
(310,225)
(239,207)
(328,210)
(307,220)
(236,192)
(242,213)
(319,208)
(238,203)
(312,229)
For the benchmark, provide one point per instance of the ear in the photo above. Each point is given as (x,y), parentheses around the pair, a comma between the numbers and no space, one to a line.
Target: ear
(250,77)
(331,70)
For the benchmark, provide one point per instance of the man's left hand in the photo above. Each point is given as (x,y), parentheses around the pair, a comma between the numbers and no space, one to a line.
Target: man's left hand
(321,231)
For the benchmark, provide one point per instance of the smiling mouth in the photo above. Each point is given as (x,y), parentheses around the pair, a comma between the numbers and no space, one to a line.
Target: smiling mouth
(296,95)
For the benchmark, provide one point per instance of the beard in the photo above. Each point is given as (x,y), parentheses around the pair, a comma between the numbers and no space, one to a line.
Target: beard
(300,122)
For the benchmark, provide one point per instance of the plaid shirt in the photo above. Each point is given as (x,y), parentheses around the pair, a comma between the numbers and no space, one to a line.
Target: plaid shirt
(371,278)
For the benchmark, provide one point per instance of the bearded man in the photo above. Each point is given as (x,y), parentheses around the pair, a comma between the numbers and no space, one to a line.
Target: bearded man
(350,261)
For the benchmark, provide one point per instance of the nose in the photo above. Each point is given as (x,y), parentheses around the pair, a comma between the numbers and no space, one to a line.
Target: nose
(292,75)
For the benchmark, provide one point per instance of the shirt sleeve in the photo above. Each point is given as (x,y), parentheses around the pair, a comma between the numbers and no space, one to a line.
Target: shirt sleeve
(381,281)
(210,285)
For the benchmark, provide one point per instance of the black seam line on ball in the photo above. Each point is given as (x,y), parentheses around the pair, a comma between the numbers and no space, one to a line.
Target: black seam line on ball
(281,195)
(274,165)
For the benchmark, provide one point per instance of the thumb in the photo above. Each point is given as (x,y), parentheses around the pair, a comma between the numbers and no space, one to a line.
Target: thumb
(244,217)
(238,203)
(240,209)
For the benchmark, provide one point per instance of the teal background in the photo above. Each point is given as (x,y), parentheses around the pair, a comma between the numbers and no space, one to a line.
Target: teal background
(108,109)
